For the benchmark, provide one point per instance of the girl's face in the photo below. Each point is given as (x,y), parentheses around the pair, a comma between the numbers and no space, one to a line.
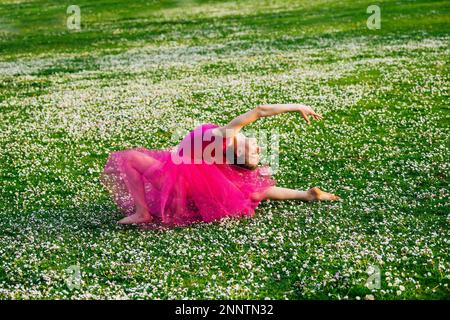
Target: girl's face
(252,152)
(247,149)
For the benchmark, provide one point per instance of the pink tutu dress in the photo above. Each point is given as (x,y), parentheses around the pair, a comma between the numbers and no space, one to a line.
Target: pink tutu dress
(191,191)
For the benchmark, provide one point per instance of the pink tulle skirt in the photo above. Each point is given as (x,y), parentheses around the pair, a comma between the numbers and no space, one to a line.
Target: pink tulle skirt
(180,194)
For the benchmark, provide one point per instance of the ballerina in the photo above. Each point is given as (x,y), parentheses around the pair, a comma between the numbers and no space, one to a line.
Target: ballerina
(213,173)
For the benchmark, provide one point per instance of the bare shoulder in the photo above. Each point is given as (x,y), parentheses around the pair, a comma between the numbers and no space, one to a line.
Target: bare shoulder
(223,131)
(234,126)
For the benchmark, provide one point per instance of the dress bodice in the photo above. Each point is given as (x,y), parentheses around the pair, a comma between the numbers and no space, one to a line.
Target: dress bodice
(201,145)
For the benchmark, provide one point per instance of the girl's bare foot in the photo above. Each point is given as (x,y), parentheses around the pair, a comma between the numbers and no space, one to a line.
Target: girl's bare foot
(318,195)
(141,216)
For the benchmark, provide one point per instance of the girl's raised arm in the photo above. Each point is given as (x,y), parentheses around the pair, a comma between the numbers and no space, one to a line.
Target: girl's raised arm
(266,110)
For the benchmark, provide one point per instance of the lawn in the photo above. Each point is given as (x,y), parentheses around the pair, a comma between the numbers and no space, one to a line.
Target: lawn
(138,72)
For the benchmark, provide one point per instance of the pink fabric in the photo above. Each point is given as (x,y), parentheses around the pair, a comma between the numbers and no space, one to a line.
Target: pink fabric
(183,193)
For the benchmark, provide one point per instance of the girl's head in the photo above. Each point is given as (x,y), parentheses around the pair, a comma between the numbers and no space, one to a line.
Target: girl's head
(246,151)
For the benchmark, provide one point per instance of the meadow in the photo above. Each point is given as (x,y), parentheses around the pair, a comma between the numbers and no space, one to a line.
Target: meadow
(137,72)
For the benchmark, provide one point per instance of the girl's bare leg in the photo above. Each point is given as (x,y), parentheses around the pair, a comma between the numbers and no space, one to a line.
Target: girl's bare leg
(137,163)
(313,194)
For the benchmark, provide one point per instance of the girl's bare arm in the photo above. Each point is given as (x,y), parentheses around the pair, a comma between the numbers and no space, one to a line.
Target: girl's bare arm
(266,110)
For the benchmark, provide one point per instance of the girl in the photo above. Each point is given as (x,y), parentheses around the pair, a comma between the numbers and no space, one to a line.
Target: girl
(199,180)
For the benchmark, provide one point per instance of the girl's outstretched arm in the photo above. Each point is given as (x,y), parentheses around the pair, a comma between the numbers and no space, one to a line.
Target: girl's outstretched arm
(266,110)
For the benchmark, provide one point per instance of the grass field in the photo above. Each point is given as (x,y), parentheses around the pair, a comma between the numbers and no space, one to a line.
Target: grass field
(138,71)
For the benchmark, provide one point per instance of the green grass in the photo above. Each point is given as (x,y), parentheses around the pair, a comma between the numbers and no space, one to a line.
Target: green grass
(138,71)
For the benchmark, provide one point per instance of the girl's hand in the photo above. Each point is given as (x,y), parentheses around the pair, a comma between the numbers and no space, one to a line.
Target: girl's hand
(308,111)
